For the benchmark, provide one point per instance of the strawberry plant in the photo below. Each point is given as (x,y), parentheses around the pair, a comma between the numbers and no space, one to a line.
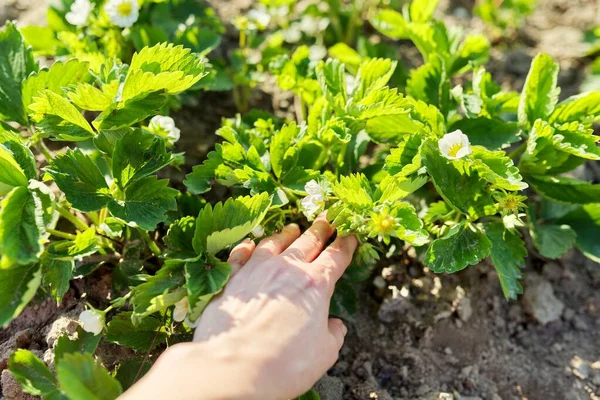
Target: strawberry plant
(443,164)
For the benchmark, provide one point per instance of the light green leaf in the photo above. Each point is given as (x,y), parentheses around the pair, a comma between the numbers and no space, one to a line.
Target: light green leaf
(430,84)
(575,139)
(584,108)
(89,97)
(146,203)
(585,221)
(565,190)
(22,155)
(332,78)
(18,285)
(355,191)
(128,113)
(204,279)
(373,74)
(80,377)
(12,174)
(390,23)
(473,51)
(507,253)
(180,237)
(84,244)
(229,222)
(552,241)
(462,246)
(422,10)
(144,336)
(59,118)
(159,291)
(498,169)
(138,154)
(56,276)
(491,133)
(57,78)
(22,232)
(78,176)
(406,158)
(346,55)
(16,64)
(33,375)
(283,154)
(540,93)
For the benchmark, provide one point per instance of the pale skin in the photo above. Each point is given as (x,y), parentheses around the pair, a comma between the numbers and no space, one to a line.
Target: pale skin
(268,335)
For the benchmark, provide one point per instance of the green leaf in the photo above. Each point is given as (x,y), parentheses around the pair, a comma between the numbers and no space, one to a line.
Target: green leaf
(373,74)
(462,246)
(86,342)
(146,202)
(138,154)
(16,64)
(85,243)
(491,133)
(390,23)
(41,39)
(565,190)
(458,182)
(584,108)
(347,55)
(144,336)
(585,221)
(131,370)
(80,377)
(498,169)
(540,93)
(283,154)
(22,155)
(507,254)
(180,237)
(310,395)
(78,176)
(22,232)
(33,375)
(159,291)
(553,241)
(406,158)
(422,10)
(59,118)
(355,191)
(57,78)
(575,139)
(430,84)
(229,222)
(18,285)
(12,173)
(473,51)
(204,279)
(56,276)
(332,78)
(344,302)
(128,113)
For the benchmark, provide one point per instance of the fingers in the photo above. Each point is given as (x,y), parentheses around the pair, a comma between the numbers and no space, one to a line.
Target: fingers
(240,255)
(338,331)
(310,244)
(275,244)
(336,257)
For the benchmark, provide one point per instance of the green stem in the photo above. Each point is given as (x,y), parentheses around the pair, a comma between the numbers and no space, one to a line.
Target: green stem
(61,234)
(518,151)
(151,244)
(41,147)
(71,218)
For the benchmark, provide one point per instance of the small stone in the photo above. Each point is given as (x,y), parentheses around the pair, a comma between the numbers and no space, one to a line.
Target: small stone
(580,367)
(568,314)
(464,309)
(63,325)
(330,388)
(540,301)
(448,351)
(579,323)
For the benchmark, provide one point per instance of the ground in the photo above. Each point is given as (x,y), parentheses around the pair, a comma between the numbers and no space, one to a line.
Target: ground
(417,335)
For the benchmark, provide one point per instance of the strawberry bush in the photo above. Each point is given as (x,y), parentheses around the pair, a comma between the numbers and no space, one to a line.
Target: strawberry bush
(438,159)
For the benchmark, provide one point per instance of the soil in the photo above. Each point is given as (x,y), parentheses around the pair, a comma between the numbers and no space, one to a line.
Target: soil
(417,335)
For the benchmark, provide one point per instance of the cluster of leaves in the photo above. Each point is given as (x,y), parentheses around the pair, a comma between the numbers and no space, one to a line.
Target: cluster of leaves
(443,161)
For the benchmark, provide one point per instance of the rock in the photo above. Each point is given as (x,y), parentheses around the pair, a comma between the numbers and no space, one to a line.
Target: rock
(464,309)
(11,390)
(330,388)
(62,325)
(552,271)
(580,367)
(19,340)
(540,301)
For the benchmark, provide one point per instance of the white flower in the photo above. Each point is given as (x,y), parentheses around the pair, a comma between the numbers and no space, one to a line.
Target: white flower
(317,52)
(315,201)
(122,13)
(181,309)
(293,34)
(258,18)
(165,126)
(92,321)
(79,12)
(259,231)
(313,25)
(454,145)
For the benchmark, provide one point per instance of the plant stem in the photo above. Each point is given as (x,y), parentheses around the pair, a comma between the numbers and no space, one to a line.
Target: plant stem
(79,224)
(102,216)
(41,147)
(60,234)
(518,151)
(151,244)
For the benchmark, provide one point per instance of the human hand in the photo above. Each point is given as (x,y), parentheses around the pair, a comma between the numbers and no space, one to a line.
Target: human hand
(268,335)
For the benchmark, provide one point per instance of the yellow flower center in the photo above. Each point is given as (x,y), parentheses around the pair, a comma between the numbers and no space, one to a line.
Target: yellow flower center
(386,224)
(509,203)
(454,149)
(124,9)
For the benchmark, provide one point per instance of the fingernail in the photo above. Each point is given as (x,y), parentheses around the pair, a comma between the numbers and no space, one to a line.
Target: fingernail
(344,329)
(292,226)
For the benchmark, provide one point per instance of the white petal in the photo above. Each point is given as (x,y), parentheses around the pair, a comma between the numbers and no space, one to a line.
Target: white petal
(463,152)
(313,188)
(91,321)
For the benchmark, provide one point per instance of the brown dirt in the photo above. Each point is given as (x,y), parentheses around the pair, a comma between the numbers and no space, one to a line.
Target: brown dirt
(420,335)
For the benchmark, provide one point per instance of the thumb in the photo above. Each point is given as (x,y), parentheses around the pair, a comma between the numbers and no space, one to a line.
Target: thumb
(338,331)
